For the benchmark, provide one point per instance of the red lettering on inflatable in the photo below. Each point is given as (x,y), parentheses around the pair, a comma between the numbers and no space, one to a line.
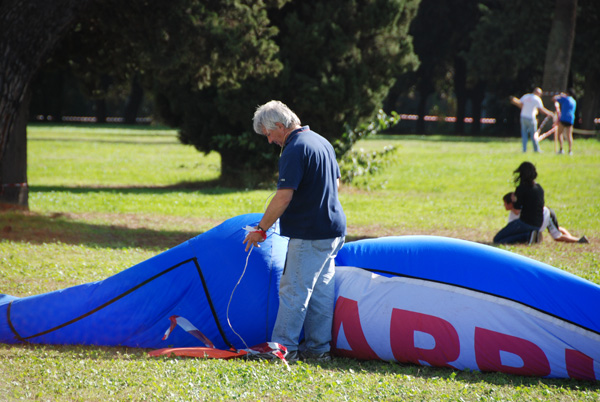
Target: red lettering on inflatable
(579,365)
(346,313)
(402,336)
(489,344)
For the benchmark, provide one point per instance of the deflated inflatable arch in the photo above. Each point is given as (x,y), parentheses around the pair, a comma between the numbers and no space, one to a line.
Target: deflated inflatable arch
(452,303)
(421,299)
(194,280)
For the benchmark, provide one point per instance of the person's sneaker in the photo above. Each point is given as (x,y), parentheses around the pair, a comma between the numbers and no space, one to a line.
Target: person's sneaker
(316,357)
(583,240)
(560,152)
(292,357)
(571,153)
(533,237)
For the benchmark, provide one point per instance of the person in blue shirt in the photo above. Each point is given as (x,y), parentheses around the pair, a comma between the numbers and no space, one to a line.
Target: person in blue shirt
(567,104)
(310,214)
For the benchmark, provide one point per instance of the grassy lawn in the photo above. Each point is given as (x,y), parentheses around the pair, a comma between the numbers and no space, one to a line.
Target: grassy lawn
(104,199)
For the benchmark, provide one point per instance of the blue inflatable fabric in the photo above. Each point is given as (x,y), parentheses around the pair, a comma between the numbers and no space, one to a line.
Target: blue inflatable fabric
(483,268)
(194,280)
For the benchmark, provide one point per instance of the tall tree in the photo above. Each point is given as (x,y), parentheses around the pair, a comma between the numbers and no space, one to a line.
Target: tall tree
(442,38)
(586,60)
(507,53)
(180,43)
(339,60)
(29,30)
(430,29)
(463,18)
(560,46)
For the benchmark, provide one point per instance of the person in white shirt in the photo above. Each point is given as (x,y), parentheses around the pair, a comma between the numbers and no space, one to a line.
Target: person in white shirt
(557,232)
(530,104)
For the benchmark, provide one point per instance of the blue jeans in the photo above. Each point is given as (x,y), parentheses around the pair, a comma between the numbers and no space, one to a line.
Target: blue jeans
(516,231)
(528,128)
(306,295)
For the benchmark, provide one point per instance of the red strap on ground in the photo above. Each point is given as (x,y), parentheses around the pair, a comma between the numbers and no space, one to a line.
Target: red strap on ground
(202,352)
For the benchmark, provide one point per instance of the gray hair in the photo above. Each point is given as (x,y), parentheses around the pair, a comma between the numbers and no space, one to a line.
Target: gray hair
(274,112)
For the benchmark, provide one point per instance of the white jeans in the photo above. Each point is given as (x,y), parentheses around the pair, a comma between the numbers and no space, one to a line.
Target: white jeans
(306,294)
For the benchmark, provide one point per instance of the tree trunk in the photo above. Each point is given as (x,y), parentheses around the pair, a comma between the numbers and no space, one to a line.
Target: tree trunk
(136,96)
(460,90)
(29,31)
(101,112)
(100,103)
(560,47)
(15,189)
(477,96)
(425,88)
(590,104)
(59,96)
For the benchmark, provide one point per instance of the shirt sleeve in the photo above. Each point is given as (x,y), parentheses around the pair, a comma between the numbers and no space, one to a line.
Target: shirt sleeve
(291,170)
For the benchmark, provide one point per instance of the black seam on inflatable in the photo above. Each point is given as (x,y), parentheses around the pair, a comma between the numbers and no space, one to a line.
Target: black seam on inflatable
(210,303)
(12,328)
(111,301)
(487,293)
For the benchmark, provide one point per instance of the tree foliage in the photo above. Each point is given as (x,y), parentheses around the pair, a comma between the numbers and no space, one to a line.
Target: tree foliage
(29,31)
(338,61)
(586,60)
(509,45)
(560,46)
(441,32)
(512,52)
(188,44)
(508,52)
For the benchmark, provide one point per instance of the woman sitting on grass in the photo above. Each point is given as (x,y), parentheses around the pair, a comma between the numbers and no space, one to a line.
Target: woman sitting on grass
(557,232)
(529,198)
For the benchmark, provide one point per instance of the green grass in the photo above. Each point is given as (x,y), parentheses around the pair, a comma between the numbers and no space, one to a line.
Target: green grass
(104,199)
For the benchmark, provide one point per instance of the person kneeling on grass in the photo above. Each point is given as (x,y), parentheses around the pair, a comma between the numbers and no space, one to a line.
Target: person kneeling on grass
(557,232)
(529,198)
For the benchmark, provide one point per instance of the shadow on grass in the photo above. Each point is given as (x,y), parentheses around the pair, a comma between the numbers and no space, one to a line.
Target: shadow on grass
(57,228)
(441,138)
(209,187)
(135,142)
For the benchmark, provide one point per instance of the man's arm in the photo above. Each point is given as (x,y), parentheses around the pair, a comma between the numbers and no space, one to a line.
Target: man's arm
(516,101)
(547,112)
(276,208)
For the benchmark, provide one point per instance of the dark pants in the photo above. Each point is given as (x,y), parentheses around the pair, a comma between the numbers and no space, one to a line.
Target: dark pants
(516,231)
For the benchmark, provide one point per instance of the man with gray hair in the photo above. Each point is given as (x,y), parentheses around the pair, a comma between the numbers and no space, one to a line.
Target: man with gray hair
(307,205)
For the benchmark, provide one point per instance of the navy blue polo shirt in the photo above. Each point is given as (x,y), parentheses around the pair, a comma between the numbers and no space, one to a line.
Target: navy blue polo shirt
(308,166)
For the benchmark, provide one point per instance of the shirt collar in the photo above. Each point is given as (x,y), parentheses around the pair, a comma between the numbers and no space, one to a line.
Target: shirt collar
(296,131)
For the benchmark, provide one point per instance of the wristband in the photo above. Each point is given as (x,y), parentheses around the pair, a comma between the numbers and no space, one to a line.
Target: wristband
(260,230)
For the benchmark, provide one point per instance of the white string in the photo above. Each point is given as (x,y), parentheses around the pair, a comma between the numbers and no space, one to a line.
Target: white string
(231,297)
(268,198)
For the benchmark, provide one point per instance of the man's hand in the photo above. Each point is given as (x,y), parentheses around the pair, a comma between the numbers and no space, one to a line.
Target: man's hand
(252,239)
